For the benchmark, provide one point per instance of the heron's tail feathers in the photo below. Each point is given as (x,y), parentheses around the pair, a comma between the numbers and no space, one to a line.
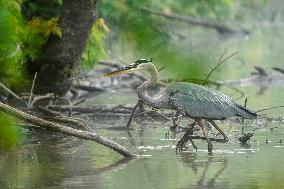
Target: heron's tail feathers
(245,112)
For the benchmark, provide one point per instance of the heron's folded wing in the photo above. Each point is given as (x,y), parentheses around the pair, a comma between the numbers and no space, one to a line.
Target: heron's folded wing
(199,101)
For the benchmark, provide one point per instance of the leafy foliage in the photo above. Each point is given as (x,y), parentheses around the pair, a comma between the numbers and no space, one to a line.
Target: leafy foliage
(21,40)
(95,48)
(10,135)
(11,28)
(38,31)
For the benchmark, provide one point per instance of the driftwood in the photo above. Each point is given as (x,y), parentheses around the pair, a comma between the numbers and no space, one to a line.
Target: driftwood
(94,109)
(66,130)
(258,80)
(281,70)
(259,77)
(88,88)
(55,115)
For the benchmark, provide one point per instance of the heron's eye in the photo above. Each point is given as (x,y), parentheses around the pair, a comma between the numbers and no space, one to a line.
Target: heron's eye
(140,61)
(133,65)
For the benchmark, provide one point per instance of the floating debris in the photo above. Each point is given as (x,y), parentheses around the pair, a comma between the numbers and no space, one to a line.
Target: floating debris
(267,141)
(245,138)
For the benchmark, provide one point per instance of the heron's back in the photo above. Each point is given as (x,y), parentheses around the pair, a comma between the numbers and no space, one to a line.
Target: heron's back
(199,101)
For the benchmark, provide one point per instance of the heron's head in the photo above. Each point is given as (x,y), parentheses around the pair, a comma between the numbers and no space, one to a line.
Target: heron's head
(141,64)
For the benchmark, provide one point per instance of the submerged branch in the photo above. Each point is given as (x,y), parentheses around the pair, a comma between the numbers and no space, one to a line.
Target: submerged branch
(94,109)
(66,130)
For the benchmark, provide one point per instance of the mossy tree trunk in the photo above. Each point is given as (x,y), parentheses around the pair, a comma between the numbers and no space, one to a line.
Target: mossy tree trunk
(60,58)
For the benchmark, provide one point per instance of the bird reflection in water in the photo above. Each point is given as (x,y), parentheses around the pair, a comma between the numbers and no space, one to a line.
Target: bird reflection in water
(207,166)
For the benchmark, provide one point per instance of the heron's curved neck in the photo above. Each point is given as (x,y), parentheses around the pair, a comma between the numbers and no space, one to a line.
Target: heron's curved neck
(142,90)
(153,78)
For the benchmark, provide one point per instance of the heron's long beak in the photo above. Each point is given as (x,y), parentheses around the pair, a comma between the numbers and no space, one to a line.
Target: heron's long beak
(126,69)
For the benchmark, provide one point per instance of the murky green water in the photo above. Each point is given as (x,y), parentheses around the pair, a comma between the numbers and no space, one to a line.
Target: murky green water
(58,161)
(65,162)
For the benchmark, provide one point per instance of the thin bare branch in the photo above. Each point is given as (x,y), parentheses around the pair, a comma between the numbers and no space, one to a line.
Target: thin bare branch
(31,92)
(79,102)
(41,97)
(270,108)
(11,92)
(48,112)
(94,109)
(220,62)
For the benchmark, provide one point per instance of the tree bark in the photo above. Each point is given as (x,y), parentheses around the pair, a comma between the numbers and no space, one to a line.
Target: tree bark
(60,58)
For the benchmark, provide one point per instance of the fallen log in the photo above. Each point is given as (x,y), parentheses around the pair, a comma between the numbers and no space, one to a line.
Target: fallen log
(66,130)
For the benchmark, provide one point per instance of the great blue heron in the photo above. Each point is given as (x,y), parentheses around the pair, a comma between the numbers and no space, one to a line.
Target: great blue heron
(196,101)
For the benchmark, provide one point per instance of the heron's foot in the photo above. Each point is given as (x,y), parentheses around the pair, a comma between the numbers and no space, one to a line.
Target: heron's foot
(210,148)
(193,145)
(181,145)
(182,142)
(178,129)
(226,139)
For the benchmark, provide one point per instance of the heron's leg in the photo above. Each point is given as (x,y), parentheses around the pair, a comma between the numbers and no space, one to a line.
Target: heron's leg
(190,129)
(133,111)
(186,137)
(175,119)
(226,138)
(205,133)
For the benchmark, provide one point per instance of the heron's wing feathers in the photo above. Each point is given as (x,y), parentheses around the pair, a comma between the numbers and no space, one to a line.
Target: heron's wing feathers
(199,101)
